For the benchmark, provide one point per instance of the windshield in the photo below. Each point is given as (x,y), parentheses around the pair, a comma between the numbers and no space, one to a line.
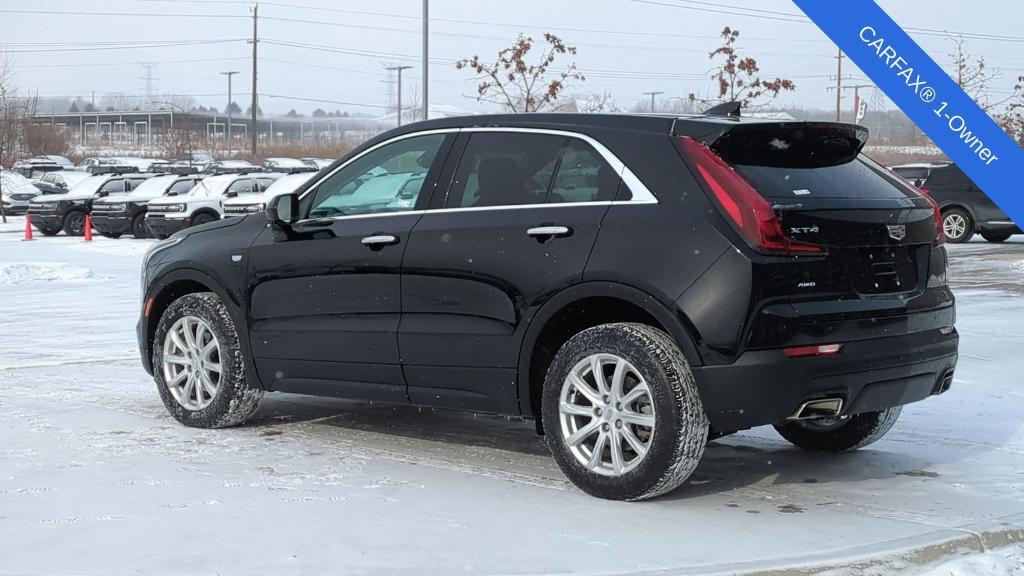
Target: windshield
(213,186)
(153,187)
(89,185)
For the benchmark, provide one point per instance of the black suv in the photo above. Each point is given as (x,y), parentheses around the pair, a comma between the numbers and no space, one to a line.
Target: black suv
(966,210)
(67,212)
(117,215)
(636,284)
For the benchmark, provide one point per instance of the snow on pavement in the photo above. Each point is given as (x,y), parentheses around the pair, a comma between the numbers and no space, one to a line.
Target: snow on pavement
(96,478)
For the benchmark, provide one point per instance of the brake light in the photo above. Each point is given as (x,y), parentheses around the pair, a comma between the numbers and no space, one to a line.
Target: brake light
(817,350)
(940,235)
(749,213)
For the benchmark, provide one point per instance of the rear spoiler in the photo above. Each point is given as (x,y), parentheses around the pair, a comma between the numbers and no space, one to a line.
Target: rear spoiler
(777,143)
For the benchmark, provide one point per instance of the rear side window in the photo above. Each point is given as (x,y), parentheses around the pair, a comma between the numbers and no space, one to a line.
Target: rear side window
(112,187)
(505,169)
(583,176)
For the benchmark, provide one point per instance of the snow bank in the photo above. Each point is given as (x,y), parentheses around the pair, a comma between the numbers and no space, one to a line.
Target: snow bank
(30,272)
(1018,265)
(1007,561)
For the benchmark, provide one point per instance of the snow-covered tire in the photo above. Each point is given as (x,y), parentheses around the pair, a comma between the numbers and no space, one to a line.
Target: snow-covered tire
(855,432)
(680,428)
(235,400)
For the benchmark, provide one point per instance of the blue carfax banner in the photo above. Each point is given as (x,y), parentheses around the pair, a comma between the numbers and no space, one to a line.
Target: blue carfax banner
(925,93)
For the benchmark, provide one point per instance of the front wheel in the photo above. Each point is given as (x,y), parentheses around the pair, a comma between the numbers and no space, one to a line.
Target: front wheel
(840,434)
(996,236)
(198,367)
(957,225)
(203,218)
(74,223)
(139,229)
(622,413)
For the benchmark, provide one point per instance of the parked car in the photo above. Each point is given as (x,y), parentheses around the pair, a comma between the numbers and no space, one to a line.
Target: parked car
(140,164)
(60,181)
(966,209)
(16,192)
(244,204)
(35,167)
(319,163)
(230,167)
(203,204)
(286,165)
(636,284)
(918,172)
(117,215)
(53,213)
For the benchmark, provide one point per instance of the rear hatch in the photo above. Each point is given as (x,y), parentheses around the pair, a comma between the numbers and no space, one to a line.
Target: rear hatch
(842,225)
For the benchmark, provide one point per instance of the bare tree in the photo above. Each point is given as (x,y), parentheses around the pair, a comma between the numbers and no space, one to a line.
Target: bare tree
(521,86)
(597,103)
(738,77)
(972,75)
(9,120)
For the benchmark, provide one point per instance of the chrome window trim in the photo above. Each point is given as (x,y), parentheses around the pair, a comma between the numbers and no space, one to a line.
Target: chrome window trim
(641,194)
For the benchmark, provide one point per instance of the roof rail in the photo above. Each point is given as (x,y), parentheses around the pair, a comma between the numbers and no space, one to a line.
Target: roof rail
(725,109)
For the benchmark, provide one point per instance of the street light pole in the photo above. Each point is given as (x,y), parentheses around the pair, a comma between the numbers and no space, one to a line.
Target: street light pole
(399,70)
(652,95)
(227,135)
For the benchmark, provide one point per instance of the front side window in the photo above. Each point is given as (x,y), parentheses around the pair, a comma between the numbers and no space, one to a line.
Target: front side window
(243,186)
(180,187)
(111,187)
(388,179)
(505,168)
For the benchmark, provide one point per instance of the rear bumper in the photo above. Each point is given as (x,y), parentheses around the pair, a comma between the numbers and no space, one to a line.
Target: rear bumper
(766,387)
(159,226)
(120,224)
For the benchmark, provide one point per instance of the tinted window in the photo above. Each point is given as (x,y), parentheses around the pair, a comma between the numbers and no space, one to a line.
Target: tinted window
(133,183)
(583,176)
(243,186)
(505,168)
(181,187)
(263,183)
(948,177)
(388,179)
(859,178)
(112,187)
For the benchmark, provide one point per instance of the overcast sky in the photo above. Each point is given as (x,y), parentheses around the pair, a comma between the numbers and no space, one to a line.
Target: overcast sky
(624,46)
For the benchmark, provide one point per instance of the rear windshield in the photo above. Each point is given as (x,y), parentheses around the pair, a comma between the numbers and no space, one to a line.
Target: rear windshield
(858,178)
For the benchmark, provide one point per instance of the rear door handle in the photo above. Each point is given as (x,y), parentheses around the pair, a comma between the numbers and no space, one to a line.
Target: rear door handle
(378,241)
(541,232)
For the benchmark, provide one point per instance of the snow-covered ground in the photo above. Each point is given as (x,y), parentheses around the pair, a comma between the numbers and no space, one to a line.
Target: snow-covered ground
(96,478)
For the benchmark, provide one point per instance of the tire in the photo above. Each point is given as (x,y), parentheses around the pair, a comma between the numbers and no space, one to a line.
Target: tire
(855,432)
(114,235)
(50,231)
(203,218)
(672,445)
(234,400)
(74,223)
(957,225)
(139,229)
(996,236)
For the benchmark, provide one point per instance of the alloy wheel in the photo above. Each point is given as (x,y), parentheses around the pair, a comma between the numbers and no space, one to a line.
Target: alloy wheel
(954,225)
(192,363)
(606,412)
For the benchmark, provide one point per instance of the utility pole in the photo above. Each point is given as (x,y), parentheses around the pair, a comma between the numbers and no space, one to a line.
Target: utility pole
(652,95)
(399,69)
(255,101)
(227,134)
(148,79)
(839,86)
(426,57)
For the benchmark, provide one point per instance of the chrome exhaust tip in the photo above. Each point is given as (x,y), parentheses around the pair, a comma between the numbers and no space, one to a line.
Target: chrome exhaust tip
(819,408)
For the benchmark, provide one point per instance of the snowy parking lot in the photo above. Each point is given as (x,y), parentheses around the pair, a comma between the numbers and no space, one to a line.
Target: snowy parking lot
(97,478)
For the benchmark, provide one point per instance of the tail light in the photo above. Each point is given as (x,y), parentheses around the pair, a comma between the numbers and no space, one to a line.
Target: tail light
(816,350)
(940,235)
(749,213)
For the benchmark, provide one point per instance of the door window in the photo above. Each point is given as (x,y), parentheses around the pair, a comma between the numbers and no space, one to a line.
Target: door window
(241,186)
(180,187)
(583,176)
(111,187)
(388,179)
(505,168)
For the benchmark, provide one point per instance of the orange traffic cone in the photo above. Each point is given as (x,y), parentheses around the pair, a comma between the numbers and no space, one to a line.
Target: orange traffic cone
(88,228)
(28,227)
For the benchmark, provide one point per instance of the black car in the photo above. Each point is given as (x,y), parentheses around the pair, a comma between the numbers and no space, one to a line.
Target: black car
(126,214)
(966,210)
(636,284)
(53,213)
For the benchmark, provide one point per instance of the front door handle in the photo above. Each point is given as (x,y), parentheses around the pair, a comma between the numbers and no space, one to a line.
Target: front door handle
(378,241)
(546,232)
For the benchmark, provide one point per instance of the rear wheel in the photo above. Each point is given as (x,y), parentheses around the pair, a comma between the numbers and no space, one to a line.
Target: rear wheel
(840,434)
(198,367)
(50,231)
(622,413)
(110,234)
(996,236)
(957,225)
(139,229)
(74,223)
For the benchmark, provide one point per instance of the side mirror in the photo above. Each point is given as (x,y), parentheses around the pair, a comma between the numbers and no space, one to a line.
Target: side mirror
(62,185)
(231,194)
(102,194)
(283,211)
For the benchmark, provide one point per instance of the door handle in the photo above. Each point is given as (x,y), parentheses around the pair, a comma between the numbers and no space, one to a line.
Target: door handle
(378,241)
(544,232)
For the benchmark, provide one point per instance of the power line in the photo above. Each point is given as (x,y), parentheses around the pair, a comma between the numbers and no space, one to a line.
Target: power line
(144,14)
(132,63)
(121,47)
